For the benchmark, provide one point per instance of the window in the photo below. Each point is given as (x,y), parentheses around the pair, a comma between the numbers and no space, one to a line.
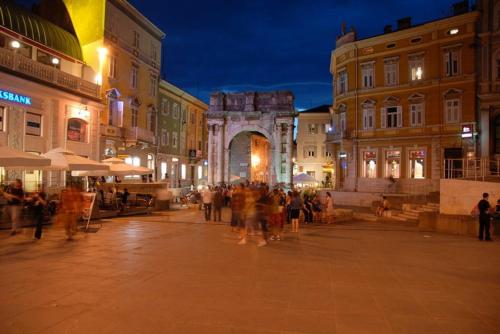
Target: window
(192,118)
(327,153)
(47,59)
(416,114)
(115,113)
(452,110)
(200,172)
(343,126)
(152,85)
(417,164)
(33,124)
(367,74)
(416,64)
(498,69)
(370,164)
(391,117)
(151,126)
(174,139)
(164,137)
(328,127)
(391,71)
(23,49)
(176,108)
(342,82)
(77,130)
(393,164)
(164,170)
(313,129)
(112,67)
(151,161)
(136,39)
(133,120)
(163,106)
(183,171)
(2,118)
(451,62)
(310,151)
(368,117)
(133,76)
(134,161)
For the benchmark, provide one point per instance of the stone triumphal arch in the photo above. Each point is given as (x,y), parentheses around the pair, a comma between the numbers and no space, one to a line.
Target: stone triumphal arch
(267,121)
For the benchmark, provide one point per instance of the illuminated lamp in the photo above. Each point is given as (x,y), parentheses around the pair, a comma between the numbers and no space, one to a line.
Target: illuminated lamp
(15,44)
(55,61)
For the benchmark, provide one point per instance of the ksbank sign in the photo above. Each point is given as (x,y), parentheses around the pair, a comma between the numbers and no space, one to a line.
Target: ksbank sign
(12,97)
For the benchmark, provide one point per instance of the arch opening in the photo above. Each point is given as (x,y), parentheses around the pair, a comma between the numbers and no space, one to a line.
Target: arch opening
(250,158)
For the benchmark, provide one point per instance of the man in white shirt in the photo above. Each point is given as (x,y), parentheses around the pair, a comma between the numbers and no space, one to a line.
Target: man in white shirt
(207,198)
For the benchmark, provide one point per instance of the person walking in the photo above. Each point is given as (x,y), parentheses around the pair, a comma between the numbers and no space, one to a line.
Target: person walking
(296,205)
(218,203)
(275,215)
(308,210)
(251,219)
(15,202)
(237,205)
(70,210)
(329,208)
(39,202)
(207,198)
(484,208)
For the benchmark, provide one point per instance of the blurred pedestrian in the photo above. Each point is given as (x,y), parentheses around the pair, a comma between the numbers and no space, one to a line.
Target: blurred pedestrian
(70,210)
(275,215)
(207,198)
(296,205)
(308,211)
(15,202)
(251,221)
(237,206)
(218,203)
(329,209)
(39,202)
(262,206)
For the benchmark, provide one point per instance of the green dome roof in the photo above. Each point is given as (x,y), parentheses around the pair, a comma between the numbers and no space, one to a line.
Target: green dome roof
(38,29)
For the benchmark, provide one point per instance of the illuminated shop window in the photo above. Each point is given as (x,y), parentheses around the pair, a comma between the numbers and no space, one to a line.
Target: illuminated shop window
(417,164)
(393,164)
(183,171)
(164,170)
(370,164)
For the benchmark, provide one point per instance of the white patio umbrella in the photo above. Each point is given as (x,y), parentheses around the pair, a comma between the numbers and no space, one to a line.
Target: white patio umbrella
(117,167)
(15,159)
(304,178)
(62,159)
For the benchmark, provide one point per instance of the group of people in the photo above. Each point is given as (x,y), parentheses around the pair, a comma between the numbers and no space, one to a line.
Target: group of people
(69,208)
(258,210)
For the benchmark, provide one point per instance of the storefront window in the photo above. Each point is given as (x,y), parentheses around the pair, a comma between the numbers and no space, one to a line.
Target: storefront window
(370,164)
(151,162)
(77,130)
(164,170)
(393,164)
(200,172)
(417,164)
(183,171)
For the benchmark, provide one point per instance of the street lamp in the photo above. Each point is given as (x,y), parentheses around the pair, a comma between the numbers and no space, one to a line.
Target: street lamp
(15,44)
(55,61)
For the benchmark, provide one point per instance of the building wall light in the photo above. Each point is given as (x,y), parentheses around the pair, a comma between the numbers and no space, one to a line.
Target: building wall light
(453,31)
(55,61)
(15,44)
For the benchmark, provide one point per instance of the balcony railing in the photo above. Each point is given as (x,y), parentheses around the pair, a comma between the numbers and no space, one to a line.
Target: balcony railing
(333,136)
(19,63)
(135,134)
(472,169)
(111,130)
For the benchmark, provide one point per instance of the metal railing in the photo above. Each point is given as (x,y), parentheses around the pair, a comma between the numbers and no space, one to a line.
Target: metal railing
(473,169)
(19,63)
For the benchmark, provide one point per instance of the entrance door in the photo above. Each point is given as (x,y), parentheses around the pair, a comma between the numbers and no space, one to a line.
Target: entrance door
(453,162)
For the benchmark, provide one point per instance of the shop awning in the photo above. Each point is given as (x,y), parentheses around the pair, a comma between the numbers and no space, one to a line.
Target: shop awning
(117,167)
(62,159)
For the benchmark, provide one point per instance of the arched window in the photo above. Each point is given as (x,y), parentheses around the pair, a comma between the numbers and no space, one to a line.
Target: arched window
(77,130)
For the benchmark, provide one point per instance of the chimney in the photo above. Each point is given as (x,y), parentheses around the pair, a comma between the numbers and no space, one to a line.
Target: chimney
(461,7)
(388,29)
(404,23)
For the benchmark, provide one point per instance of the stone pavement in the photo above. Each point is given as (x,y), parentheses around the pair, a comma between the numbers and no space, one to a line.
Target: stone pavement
(172,273)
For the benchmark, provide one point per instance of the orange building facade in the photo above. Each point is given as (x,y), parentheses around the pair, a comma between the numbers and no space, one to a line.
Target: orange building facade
(403,102)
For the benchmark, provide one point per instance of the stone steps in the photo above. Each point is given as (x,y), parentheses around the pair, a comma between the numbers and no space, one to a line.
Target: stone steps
(411,212)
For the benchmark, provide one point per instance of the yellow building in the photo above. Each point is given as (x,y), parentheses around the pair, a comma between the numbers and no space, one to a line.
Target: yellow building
(404,101)
(124,48)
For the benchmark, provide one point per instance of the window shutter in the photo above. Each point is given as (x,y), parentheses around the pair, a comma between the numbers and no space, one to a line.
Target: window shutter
(400,117)
(446,62)
(383,118)
(117,113)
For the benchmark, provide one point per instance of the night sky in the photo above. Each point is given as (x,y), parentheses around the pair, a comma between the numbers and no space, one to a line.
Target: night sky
(236,45)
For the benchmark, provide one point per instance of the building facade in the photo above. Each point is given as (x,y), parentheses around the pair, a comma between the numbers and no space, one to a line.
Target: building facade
(313,156)
(489,77)
(124,48)
(182,137)
(404,101)
(269,115)
(48,96)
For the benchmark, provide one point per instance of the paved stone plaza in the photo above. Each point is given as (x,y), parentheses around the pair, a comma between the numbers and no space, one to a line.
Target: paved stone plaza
(172,273)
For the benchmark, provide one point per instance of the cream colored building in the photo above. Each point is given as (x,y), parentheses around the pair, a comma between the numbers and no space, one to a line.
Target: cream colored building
(313,157)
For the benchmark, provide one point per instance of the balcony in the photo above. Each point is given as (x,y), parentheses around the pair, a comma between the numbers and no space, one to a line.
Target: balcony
(48,74)
(111,131)
(335,136)
(135,134)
